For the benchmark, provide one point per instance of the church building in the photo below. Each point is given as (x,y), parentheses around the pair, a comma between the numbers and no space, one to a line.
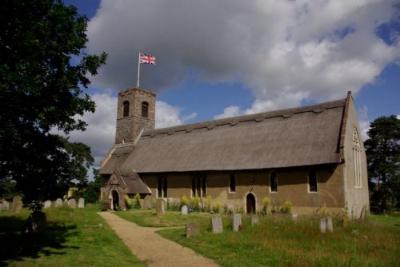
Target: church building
(312,156)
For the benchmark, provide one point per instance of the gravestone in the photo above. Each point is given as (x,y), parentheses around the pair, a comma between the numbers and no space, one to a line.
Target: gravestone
(5,205)
(72,203)
(216,223)
(329,224)
(160,207)
(81,203)
(148,202)
(192,229)
(236,222)
(47,204)
(184,210)
(58,203)
(254,220)
(294,217)
(322,225)
(17,204)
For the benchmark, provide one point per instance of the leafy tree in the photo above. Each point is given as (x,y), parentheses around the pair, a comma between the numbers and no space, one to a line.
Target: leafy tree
(91,192)
(43,76)
(383,154)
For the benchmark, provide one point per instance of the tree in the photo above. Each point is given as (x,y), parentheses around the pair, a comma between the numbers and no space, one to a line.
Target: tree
(91,192)
(383,154)
(43,76)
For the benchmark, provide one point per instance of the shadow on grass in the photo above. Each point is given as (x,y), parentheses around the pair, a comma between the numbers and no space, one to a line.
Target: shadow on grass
(15,244)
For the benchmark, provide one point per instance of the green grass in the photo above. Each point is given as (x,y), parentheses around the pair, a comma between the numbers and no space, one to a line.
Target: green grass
(74,237)
(277,241)
(149,218)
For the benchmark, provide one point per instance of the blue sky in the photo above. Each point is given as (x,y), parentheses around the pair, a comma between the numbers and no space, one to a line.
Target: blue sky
(188,88)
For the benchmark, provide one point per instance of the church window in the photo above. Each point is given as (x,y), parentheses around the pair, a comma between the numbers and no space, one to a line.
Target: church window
(232,183)
(162,187)
(357,159)
(273,183)
(199,186)
(126,108)
(145,109)
(312,182)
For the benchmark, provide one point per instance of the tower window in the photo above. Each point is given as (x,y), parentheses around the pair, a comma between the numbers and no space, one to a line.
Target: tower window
(232,183)
(145,109)
(273,183)
(312,182)
(126,108)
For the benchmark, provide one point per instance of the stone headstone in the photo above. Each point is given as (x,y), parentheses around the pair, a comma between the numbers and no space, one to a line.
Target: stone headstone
(329,224)
(58,203)
(47,204)
(5,205)
(294,217)
(72,203)
(254,220)
(192,229)
(236,222)
(160,206)
(148,202)
(323,225)
(17,204)
(216,223)
(184,210)
(81,203)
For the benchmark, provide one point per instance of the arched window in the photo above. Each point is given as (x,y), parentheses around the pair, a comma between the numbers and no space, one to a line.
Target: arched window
(126,108)
(145,109)
(312,182)
(357,159)
(273,183)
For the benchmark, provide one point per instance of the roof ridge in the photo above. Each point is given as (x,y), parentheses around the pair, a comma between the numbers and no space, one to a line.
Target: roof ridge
(210,124)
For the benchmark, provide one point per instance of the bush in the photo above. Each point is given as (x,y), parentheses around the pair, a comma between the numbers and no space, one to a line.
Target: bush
(207,204)
(216,208)
(173,205)
(194,204)
(286,207)
(136,203)
(266,201)
(128,202)
(184,201)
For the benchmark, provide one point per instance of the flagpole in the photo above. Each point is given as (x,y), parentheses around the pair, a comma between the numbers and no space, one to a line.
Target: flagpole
(138,72)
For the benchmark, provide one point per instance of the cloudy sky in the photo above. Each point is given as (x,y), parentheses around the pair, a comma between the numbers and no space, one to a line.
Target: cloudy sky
(230,57)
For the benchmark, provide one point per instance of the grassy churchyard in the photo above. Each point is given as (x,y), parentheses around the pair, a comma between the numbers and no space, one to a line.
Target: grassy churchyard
(278,241)
(73,237)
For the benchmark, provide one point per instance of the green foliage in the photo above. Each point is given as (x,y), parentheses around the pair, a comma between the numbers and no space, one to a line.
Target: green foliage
(286,207)
(43,77)
(194,204)
(173,205)
(383,155)
(185,201)
(266,201)
(128,202)
(216,207)
(136,203)
(8,188)
(91,192)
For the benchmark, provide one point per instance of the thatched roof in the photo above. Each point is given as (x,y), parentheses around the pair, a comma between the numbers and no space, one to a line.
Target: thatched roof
(285,138)
(129,180)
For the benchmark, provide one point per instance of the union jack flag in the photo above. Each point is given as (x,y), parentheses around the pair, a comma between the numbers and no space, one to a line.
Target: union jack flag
(147,59)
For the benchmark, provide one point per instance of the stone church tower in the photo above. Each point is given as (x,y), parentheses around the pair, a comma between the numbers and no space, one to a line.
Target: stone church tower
(136,112)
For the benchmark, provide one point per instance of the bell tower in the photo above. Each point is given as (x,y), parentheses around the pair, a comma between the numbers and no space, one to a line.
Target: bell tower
(135,111)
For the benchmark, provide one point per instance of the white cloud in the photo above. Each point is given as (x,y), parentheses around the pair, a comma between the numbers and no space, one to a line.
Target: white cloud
(229,111)
(167,115)
(285,51)
(364,122)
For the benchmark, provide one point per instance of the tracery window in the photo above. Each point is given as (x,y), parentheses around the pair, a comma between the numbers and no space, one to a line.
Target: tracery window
(357,159)
(145,109)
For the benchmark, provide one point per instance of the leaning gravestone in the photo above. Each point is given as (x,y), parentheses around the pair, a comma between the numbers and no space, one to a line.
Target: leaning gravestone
(184,210)
(236,222)
(323,225)
(5,205)
(17,204)
(160,207)
(216,223)
(72,203)
(81,203)
(192,229)
(47,204)
(254,220)
(58,203)
(329,224)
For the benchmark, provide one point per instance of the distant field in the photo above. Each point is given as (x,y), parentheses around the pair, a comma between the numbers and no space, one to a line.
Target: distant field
(277,241)
(75,237)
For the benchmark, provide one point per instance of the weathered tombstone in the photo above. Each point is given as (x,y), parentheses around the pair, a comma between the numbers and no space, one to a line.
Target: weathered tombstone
(294,217)
(216,223)
(236,222)
(147,202)
(47,204)
(160,207)
(254,220)
(192,229)
(322,225)
(81,203)
(184,210)
(17,204)
(58,203)
(5,205)
(72,203)
(329,224)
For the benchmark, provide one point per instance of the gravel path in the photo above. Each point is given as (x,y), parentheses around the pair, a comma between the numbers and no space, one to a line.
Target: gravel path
(150,247)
